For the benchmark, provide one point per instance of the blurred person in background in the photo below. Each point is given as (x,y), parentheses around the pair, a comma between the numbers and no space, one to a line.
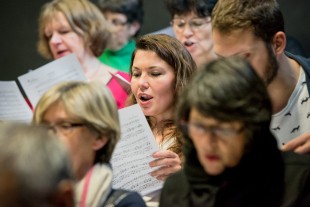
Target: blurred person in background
(125,18)
(35,169)
(85,117)
(78,26)
(191,23)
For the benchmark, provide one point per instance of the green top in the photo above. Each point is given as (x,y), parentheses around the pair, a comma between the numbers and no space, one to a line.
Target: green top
(119,59)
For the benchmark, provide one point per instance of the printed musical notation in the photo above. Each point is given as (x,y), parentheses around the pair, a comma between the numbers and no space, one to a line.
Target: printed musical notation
(12,103)
(132,155)
(36,82)
(13,106)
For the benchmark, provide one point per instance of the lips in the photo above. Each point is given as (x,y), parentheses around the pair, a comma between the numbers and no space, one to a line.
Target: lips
(188,43)
(212,157)
(144,100)
(62,53)
(144,97)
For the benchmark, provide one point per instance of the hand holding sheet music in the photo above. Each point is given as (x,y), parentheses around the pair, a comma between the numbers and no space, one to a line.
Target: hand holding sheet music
(133,153)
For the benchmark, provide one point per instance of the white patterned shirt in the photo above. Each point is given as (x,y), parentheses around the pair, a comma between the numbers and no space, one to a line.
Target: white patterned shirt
(294,119)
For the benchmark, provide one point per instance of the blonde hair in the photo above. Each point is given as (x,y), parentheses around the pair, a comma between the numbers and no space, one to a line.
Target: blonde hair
(92,103)
(84,18)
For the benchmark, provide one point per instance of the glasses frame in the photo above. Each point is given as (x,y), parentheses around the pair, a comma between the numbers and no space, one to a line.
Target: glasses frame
(118,23)
(191,22)
(215,131)
(65,128)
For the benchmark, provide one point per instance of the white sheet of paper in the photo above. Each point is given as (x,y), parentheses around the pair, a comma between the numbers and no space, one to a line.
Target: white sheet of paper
(13,106)
(38,81)
(131,157)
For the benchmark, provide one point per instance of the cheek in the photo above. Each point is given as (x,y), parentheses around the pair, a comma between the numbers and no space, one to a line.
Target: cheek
(52,48)
(69,144)
(166,93)
(134,85)
(206,34)
(232,155)
(178,35)
(74,41)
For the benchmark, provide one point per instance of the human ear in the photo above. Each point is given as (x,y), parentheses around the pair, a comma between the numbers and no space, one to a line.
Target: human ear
(99,142)
(134,27)
(279,42)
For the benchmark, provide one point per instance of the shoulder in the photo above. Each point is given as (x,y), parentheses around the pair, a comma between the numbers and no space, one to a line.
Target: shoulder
(176,179)
(297,166)
(293,159)
(305,62)
(175,192)
(297,177)
(175,185)
(129,199)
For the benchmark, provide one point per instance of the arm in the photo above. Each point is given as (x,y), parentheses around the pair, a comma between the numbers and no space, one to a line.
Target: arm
(168,163)
(300,144)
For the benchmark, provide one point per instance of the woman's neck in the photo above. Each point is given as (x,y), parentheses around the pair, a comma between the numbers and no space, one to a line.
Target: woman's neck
(97,71)
(90,64)
(159,128)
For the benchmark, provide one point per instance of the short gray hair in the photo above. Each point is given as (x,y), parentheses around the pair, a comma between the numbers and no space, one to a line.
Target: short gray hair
(33,161)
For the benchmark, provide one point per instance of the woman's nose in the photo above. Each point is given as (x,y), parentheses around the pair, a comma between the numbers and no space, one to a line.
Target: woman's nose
(188,31)
(55,39)
(143,83)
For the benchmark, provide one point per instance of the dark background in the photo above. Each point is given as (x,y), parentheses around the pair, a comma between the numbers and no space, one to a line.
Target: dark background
(18,36)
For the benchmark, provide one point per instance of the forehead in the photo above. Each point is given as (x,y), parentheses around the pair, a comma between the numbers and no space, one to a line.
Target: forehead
(114,15)
(196,115)
(148,60)
(188,15)
(235,42)
(147,57)
(56,18)
(55,111)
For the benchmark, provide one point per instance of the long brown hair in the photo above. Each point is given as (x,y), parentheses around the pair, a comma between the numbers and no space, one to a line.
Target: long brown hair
(176,55)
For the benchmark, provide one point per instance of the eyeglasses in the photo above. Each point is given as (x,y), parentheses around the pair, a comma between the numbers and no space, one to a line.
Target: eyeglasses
(200,130)
(195,24)
(65,128)
(118,23)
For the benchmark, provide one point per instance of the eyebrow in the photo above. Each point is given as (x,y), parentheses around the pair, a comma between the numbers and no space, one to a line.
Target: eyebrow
(148,68)
(238,53)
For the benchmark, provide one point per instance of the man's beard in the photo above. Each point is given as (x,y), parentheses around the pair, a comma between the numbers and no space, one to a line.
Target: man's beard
(271,67)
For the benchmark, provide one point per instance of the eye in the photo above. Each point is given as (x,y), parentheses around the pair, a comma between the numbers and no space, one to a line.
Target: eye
(65,125)
(155,74)
(197,23)
(180,24)
(64,31)
(199,127)
(136,74)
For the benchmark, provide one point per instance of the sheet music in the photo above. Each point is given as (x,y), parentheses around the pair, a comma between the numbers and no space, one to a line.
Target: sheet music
(38,81)
(131,157)
(13,106)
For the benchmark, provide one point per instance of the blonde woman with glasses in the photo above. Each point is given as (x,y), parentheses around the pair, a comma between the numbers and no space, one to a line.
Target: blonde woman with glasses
(85,117)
